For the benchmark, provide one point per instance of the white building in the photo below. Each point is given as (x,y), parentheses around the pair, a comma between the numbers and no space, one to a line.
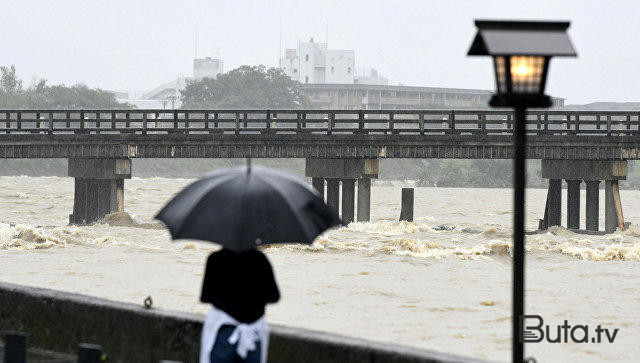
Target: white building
(207,67)
(168,95)
(313,63)
(369,76)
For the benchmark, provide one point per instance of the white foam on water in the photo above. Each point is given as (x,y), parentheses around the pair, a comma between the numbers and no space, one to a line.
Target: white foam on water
(124,219)
(24,237)
(393,228)
(428,249)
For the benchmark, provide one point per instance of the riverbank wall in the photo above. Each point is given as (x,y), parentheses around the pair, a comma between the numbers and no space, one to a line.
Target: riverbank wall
(59,321)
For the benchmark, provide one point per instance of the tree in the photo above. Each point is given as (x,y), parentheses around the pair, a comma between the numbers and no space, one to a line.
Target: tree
(41,95)
(8,81)
(245,87)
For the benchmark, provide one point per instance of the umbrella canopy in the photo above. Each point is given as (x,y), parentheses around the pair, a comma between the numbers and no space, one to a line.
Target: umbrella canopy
(244,207)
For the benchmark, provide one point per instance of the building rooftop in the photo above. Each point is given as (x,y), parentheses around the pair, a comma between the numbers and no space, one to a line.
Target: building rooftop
(174,85)
(375,87)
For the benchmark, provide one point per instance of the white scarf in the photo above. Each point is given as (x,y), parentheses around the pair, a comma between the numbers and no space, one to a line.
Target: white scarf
(246,335)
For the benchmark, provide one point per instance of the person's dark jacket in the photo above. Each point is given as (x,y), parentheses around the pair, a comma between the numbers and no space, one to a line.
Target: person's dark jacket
(240,284)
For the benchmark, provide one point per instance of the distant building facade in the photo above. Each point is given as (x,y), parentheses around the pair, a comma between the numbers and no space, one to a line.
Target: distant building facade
(369,76)
(207,67)
(314,63)
(168,94)
(375,97)
(329,79)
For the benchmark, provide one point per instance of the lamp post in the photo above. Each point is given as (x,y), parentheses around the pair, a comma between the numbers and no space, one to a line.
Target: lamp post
(521,52)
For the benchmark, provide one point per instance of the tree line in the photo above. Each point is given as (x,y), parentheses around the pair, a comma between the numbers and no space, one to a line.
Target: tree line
(246,87)
(13,95)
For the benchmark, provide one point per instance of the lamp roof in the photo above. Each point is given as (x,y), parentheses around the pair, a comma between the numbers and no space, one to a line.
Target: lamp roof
(541,38)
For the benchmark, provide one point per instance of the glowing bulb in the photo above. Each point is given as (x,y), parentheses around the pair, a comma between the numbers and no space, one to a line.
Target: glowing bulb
(524,74)
(522,70)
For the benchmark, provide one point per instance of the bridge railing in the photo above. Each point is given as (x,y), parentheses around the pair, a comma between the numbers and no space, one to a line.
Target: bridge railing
(417,122)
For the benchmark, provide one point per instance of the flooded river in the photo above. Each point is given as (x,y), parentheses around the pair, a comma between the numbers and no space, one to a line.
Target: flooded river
(419,284)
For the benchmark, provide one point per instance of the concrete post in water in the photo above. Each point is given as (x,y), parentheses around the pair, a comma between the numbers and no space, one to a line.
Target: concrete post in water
(543,223)
(618,205)
(592,172)
(15,348)
(573,204)
(592,205)
(89,353)
(612,208)
(98,188)
(348,199)
(347,170)
(406,209)
(555,202)
(333,194)
(318,184)
(364,199)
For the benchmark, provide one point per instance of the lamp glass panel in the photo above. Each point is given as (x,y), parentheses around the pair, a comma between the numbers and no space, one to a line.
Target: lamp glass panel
(501,74)
(526,74)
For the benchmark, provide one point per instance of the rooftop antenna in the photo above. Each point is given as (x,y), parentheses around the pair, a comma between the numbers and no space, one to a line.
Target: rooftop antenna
(280,45)
(326,38)
(196,44)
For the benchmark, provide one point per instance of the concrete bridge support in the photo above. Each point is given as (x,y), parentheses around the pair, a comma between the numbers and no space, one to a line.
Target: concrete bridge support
(348,199)
(553,214)
(592,209)
(573,204)
(364,199)
(98,188)
(349,172)
(613,218)
(318,184)
(592,172)
(333,193)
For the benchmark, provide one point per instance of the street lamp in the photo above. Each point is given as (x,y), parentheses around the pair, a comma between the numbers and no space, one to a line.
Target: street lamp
(521,51)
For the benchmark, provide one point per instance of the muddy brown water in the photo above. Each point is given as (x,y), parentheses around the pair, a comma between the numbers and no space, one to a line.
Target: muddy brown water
(398,282)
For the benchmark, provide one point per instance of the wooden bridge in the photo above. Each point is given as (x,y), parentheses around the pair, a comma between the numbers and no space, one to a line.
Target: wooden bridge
(341,148)
(481,134)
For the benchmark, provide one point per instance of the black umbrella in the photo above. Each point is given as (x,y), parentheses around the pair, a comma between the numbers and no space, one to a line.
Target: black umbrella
(243,207)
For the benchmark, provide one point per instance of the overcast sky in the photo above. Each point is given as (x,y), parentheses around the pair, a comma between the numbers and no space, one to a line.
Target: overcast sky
(137,45)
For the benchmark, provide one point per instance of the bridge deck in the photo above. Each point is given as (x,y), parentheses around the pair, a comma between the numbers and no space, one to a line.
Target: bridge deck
(485,134)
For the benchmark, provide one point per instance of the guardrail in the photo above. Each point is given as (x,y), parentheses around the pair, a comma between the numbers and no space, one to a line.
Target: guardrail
(395,122)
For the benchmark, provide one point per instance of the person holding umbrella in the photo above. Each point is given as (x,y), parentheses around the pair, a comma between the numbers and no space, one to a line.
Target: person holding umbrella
(240,209)
(238,285)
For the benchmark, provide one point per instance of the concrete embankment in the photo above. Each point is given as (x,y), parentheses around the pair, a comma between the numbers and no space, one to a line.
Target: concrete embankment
(58,321)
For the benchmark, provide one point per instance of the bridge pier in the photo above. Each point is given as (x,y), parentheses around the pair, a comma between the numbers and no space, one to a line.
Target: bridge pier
(573,204)
(593,205)
(349,172)
(592,172)
(348,200)
(364,199)
(613,217)
(554,203)
(318,184)
(333,193)
(98,188)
